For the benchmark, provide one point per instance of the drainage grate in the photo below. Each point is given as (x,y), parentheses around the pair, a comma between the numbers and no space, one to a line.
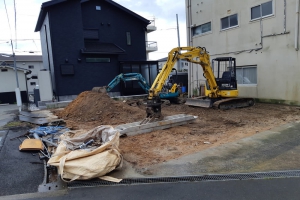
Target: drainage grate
(211,177)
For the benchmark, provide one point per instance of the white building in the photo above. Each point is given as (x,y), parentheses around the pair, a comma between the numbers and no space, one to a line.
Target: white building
(8,83)
(263,36)
(34,63)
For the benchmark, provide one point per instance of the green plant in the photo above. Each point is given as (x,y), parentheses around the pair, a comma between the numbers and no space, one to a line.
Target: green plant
(195,92)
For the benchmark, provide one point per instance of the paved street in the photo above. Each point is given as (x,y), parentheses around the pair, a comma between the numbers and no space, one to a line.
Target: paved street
(7,113)
(270,189)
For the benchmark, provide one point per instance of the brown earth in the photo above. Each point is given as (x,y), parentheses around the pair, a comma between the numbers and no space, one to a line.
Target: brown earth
(213,127)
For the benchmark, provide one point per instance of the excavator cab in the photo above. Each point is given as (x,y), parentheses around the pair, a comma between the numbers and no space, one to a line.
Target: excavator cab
(224,69)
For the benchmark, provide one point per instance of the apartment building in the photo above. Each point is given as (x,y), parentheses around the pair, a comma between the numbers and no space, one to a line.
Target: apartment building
(263,36)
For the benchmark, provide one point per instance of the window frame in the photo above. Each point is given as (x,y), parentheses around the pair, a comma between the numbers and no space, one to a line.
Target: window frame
(230,27)
(260,6)
(208,32)
(97,60)
(246,67)
(128,38)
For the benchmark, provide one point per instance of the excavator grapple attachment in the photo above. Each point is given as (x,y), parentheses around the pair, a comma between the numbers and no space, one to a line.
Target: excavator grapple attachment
(153,110)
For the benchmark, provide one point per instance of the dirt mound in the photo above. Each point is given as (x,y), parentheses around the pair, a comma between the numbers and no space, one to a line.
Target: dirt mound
(91,107)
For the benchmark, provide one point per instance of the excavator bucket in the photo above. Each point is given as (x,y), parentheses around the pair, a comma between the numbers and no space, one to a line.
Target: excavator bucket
(199,102)
(99,89)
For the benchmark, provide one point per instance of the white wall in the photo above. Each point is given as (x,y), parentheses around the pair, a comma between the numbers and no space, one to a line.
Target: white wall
(278,68)
(47,48)
(9,82)
(37,66)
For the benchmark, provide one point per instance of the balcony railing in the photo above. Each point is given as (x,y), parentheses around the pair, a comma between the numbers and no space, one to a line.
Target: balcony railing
(152,22)
(151,46)
(151,27)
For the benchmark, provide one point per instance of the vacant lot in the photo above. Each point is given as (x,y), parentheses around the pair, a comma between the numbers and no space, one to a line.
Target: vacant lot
(213,127)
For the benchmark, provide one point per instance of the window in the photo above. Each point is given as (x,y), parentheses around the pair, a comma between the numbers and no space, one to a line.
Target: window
(128,37)
(230,21)
(34,77)
(98,60)
(4,70)
(30,67)
(263,10)
(246,75)
(32,83)
(204,28)
(98,7)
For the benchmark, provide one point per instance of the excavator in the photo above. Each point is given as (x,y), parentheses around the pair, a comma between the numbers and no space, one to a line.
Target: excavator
(168,92)
(220,90)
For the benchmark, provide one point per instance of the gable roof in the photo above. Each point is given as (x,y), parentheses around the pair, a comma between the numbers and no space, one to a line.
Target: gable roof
(48,4)
(23,58)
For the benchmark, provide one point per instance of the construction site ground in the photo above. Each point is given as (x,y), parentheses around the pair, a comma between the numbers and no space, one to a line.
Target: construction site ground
(218,141)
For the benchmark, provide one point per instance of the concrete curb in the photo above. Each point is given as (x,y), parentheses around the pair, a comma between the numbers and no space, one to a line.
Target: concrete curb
(35,195)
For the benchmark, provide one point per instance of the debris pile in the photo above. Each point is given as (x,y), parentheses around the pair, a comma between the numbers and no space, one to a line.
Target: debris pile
(91,106)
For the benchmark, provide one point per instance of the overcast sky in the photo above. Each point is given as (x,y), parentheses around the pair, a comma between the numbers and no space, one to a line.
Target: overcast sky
(27,11)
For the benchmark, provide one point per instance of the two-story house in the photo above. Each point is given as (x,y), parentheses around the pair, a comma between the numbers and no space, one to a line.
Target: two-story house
(86,43)
(263,36)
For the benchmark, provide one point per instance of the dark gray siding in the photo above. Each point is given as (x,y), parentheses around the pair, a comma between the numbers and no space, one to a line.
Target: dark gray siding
(113,24)
(67,21)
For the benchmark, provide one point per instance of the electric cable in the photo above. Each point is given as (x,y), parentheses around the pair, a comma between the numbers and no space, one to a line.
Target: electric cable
(7,18)
(15,24)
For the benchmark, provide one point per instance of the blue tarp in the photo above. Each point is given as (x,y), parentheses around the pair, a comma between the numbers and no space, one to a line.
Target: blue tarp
(46,130)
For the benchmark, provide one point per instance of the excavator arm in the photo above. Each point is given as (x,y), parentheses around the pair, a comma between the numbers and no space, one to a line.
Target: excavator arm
(128,77)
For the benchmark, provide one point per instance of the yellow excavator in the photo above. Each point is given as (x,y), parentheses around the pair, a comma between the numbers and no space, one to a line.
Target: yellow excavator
(220,89)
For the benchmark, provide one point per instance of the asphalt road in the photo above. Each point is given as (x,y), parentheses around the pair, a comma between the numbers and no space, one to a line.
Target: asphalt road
(266,189)
(20,172)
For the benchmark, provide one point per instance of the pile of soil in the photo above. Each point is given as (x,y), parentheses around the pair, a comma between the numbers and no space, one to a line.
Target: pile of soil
(213,127)
(92,109)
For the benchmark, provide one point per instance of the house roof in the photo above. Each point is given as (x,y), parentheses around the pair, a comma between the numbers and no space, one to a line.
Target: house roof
(48,4)
(94,47)
(3,65)
(23,58)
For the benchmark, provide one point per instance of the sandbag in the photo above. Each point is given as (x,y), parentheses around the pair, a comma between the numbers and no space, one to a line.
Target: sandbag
(93,162)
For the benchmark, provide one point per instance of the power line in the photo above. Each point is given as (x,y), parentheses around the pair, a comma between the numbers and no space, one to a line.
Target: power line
(15,23)
(21,39)
(7,18)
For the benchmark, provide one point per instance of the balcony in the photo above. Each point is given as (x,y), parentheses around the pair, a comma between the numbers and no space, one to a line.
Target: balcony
(151,46)
(151,27)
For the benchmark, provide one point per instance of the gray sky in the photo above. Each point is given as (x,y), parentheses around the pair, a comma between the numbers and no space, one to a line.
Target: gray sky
(27,11)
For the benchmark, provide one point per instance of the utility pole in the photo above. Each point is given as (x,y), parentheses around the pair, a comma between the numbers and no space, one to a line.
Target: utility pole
(17,90)
(178,62)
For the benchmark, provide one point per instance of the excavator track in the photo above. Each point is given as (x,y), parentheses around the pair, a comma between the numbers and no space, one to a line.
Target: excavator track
(230,103)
